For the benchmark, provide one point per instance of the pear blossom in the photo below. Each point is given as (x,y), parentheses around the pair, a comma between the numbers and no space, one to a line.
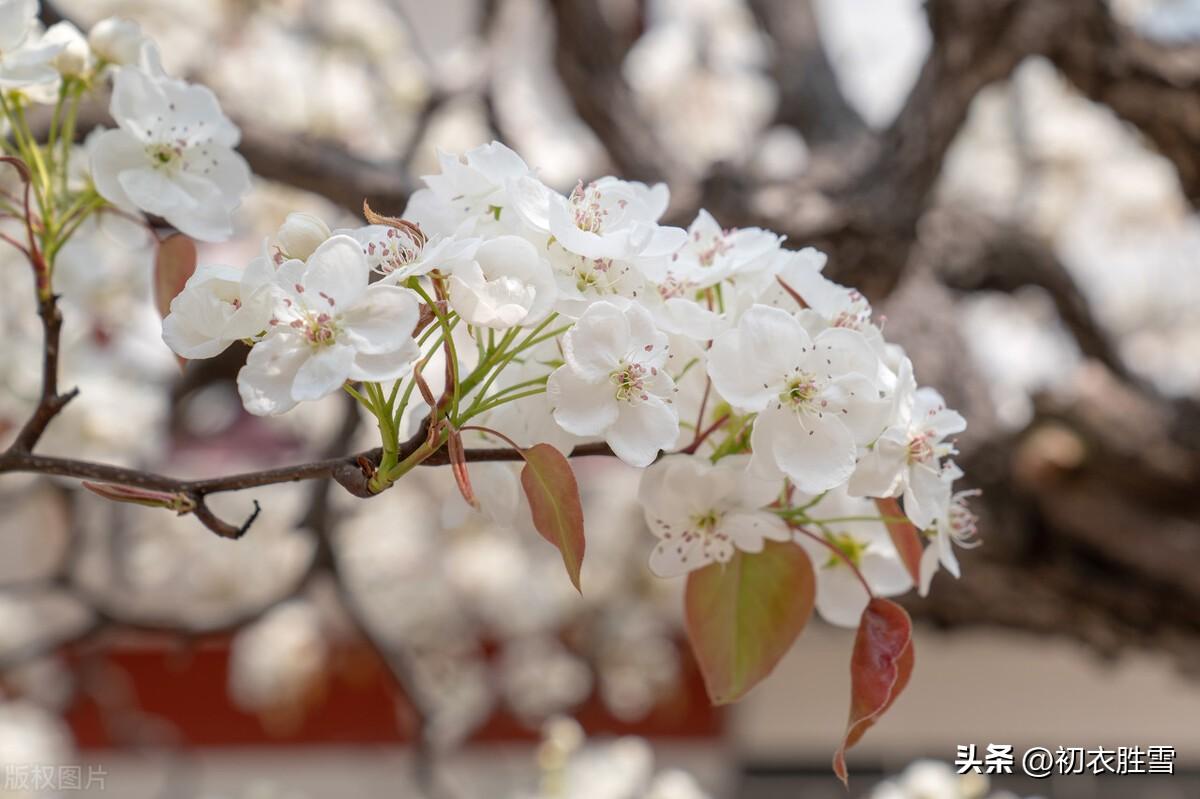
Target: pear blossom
(329,326)
(506,283)
(400,254)
(172,155)
(608,218)
(956,525)
(471,187)
(702,512)
(218,306)
(906,459)
(711,254)
(818,398)
(841,597)
(613,383)
(24,60)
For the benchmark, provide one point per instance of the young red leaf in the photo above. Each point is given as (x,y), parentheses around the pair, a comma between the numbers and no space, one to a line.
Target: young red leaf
(174,264)
(553,496)
(905,536)
(744,615)
(458,464)
(880,667)
(141,496)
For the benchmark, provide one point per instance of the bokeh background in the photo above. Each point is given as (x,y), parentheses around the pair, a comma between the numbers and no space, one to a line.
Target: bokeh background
(1013,183)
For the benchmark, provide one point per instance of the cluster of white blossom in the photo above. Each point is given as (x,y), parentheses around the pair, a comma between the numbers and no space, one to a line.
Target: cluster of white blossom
(582,318)
(761,395)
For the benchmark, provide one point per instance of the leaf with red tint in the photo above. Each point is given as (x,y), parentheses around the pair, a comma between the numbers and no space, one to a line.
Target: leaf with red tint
(174,264)
(744,615)
(141,496)
(880,667)
(458,464)
(905,536)
(553,494)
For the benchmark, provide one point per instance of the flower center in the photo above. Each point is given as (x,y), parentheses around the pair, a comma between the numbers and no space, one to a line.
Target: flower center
(716,248)
(321,330)
(586,208)
(849,546)
(395,250)
(963,523)
(165,154)
(802,392)
(630,380)
(920,450)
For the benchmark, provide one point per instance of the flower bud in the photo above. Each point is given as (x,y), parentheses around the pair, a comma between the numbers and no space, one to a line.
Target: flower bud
(75,57)
(116,40)
(301,235)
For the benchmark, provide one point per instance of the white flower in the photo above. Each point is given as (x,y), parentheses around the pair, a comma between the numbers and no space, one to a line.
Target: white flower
(841,598)
(171,156)
(712,254)
(506,283)
(329,326)
(613,383)
(477,182)
(24,61)
(117,41)
(218,306)
(817,398)
(907,458)
(955,525)
(300,235)
(701,512)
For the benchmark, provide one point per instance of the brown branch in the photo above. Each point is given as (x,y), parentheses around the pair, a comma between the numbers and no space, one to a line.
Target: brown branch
(1154,86)
(809,98)
(588,55)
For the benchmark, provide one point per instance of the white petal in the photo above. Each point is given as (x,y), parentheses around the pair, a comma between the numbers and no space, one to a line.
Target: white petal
(642,430)
(596,344)
(383,321)
(816,455)
(111,153)
(265,382)
(337,275)
(323,372)
(926,496)
(749,363)
(581,407)
(748,530)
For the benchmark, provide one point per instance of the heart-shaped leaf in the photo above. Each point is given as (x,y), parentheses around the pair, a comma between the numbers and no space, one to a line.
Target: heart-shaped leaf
(905,536)
(880,667)
(174,264)
(744,615)
(553,495)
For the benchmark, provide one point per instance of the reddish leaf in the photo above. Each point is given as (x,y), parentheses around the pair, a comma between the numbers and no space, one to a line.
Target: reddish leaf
(175,263)
(744,615)
(553,496)
(880,667)
(141,496)
(458,464)
(905,536)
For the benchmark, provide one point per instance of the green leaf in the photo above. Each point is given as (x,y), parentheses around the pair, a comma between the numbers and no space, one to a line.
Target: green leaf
(905,536)
(553,494)
(174,264)
(880,667)
(744,615)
